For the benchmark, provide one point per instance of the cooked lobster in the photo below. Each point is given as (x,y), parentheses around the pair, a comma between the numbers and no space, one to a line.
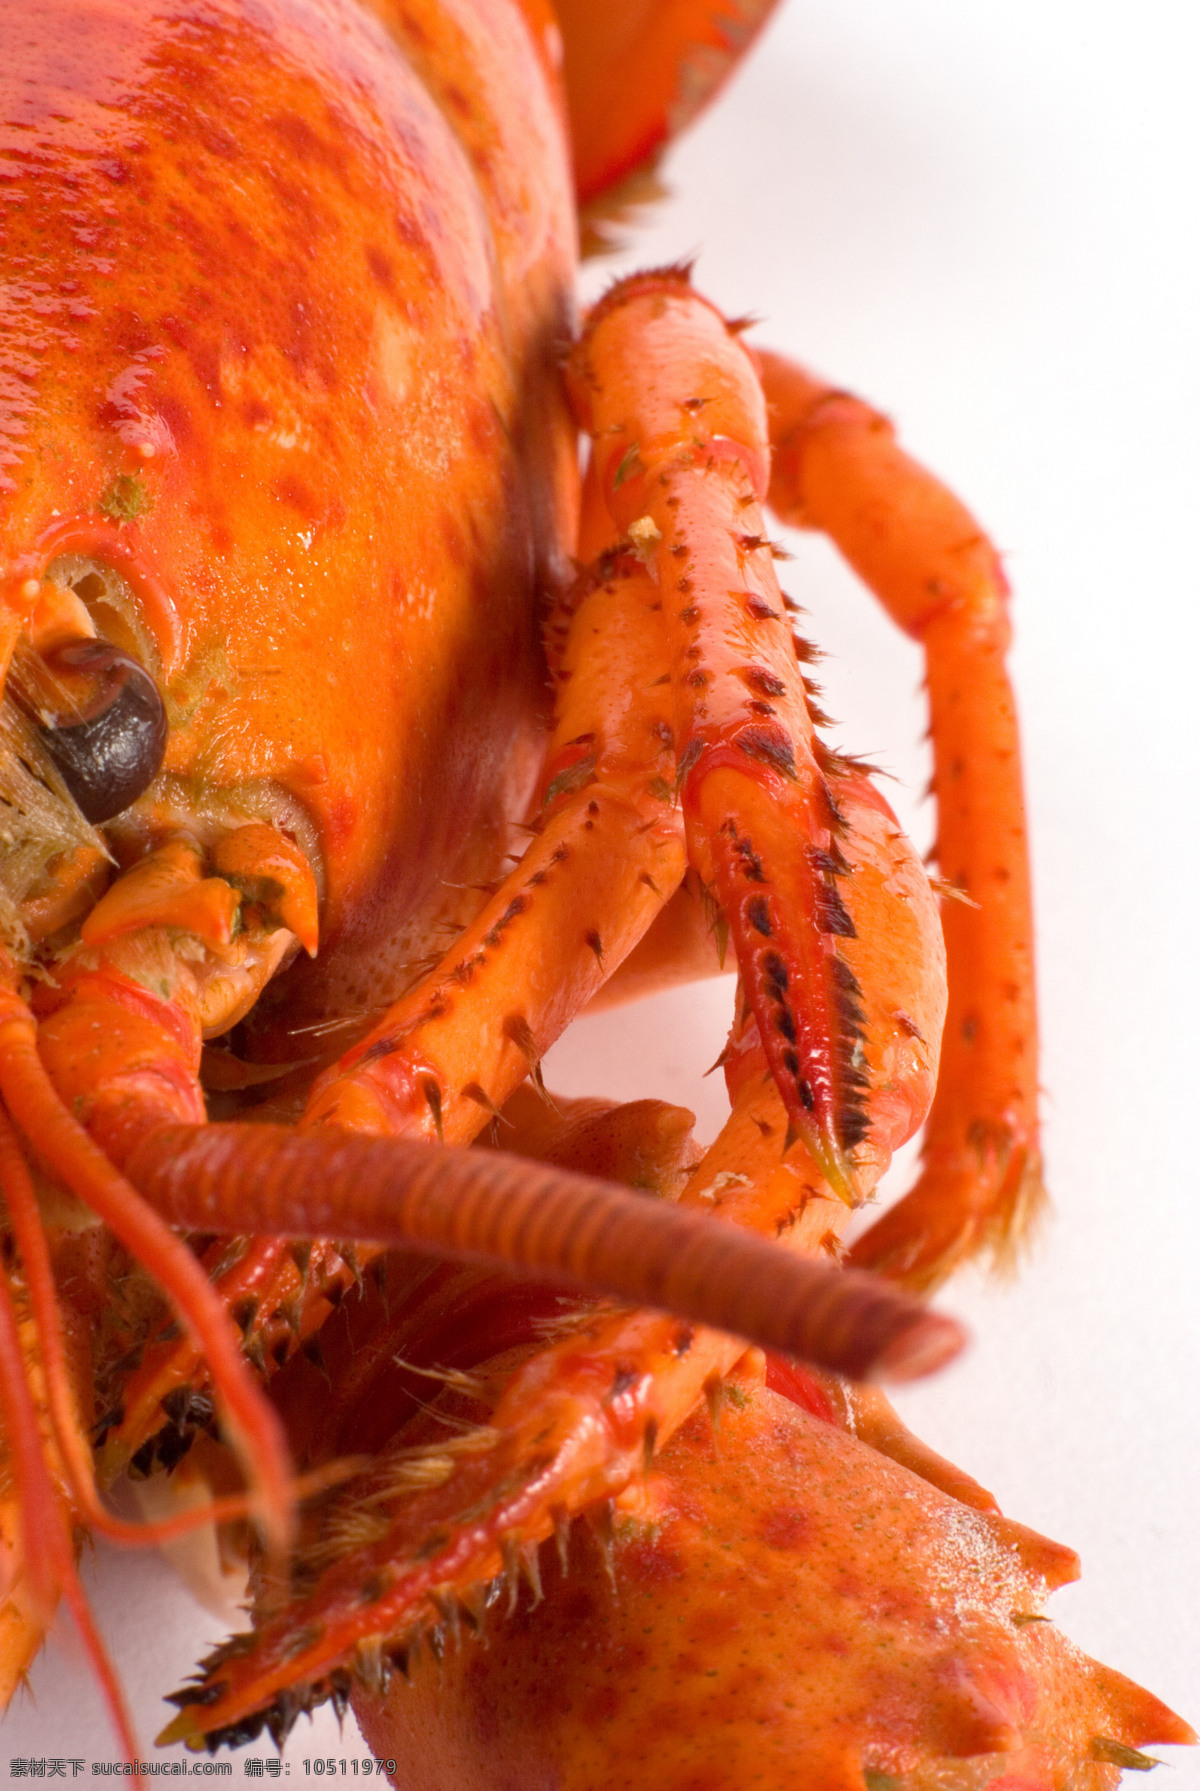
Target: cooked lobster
(307,621)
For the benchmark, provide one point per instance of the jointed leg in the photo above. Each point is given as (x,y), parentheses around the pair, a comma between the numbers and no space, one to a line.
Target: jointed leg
(579,1416)
(680,709)
(838,468)
(607,856)
(676,414)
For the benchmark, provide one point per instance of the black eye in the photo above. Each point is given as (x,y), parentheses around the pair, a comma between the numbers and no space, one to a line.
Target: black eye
(109,737)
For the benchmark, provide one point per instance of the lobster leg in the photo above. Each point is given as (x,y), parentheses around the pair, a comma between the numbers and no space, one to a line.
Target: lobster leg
(837,468)
(579,1417)
(574,1424)
(607,855)
(125,1060)
(443,1059)
(674,406)
(683,946)
(219,1178)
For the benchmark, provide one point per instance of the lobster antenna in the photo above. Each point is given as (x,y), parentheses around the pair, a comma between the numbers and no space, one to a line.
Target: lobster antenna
(70,1154)
(49,1561)
(542,1221)
(17,1185)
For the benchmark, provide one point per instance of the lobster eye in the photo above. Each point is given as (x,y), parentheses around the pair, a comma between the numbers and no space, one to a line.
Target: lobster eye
(108,732)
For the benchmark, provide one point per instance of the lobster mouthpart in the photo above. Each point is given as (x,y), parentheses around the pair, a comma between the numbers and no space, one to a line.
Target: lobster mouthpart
(784,1606)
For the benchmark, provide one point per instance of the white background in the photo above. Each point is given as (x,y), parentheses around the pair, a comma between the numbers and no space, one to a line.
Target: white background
(984,218)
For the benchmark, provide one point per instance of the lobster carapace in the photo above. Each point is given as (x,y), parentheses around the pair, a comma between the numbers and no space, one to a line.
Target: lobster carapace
(306,619)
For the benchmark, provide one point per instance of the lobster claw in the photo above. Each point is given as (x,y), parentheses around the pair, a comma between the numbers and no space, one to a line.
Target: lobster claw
(775,1609)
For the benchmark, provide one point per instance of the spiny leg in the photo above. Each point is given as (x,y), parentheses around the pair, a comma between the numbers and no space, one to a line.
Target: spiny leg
(324,1183)
(676,413)
(491,1208)
(579,1417)
(606,856)
(574,1425)
(838,468)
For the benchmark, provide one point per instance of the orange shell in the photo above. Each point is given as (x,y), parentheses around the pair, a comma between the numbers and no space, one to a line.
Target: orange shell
(825,1615)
